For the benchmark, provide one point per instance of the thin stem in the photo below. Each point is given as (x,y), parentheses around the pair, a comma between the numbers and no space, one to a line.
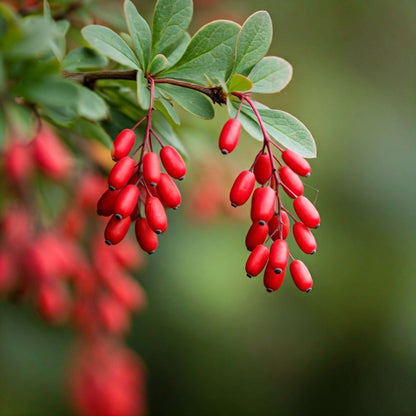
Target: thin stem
(290,215)
(138,123)
(156,137)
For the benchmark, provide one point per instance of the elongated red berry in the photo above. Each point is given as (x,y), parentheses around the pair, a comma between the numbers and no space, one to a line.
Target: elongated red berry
(304,238)
(173,163)
(242,188)
(126,201)
(105,205)
(229,136)
(279,256)
(292,181)
(123,144)
(301,276)
(271,280)
(116,230)
(151,168)
(263,205)
(145,236)
(257,260)
(156,215)
(121,173)
(274,225)
(256,235)
(169,192)
(18,162)
(307,212)
(296,162)
(263,168)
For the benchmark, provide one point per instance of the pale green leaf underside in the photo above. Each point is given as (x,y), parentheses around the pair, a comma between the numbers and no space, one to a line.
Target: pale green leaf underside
(170,21)
(110,44)
(176,51)
(91,105)
(253,42)
(281,126)
(158,64)
(139,32)
(143,93)
(83,58)
(208,54)
(271,75)
(168,111)
(192,101)
(240,83)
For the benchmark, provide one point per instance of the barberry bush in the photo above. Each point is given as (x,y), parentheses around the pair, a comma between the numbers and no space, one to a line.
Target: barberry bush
(66,106)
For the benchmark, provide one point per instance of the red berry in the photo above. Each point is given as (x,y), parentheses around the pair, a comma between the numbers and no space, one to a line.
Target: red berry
(256,235)
(292,181)
(279,256)
(301,276)
(123,144)
(116,230)
(126,201)
(173,163)
(53,302)
(156,215)
(145,236)
(229,136)
(271,280)
(18,162)
(168,192)
(307,212)
(296,162)
(304,238)
(242,188)
(151,168)
(113,314)
(105,205)
(121,173)
(257,260)
(263,205)
(274,226)
(263,168)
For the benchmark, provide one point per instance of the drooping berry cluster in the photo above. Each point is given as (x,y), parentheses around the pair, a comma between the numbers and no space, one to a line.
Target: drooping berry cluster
(270,219)
(138,190)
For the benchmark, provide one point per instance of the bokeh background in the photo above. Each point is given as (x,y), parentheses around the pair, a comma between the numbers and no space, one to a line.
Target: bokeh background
(215,343)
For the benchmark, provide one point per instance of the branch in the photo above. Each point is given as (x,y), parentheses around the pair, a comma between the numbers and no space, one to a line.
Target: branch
(216,94)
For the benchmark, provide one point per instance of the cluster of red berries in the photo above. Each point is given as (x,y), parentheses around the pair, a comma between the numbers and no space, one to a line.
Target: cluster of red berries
(62,266)
(270,219)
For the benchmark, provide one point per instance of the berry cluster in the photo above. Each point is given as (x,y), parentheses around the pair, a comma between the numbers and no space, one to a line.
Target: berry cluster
(270,219)
(138,191)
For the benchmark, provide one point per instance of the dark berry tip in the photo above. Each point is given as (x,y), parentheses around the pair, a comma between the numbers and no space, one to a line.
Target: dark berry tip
(269,290)
(108,242)
(158,231)
(118,216)
(153,184)
(313,251)
(249,275)
(262,222)
(177,207)
(99,212)
(233,204)
(112,188)
(150,252)
(224,151)
(278,270)
(307,175)
(317,226)
(181,178)
(114,159)
(308,290)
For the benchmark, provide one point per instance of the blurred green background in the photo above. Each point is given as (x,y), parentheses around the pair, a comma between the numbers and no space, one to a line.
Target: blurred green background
(215,343)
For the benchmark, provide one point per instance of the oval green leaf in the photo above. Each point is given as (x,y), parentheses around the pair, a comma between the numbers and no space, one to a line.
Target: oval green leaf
(240,83)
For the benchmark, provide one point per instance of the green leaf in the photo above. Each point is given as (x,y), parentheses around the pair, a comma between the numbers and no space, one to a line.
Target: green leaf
(111,45)
(239,82)
(191,100)
(139,32)
(175,51)
(270,75)
(209,53)
(158,64)
(170,21)
(46,10)
(253,42)
(166,108)
(91,105)
(90,130)
(143,93)
(165,132)
(81,59)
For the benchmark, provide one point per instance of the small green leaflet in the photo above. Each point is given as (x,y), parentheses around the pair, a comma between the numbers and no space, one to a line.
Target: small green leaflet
(139,32)
(80,59)
(270,75)
(170,21)
(90,105)
(175,51)
(110,44)
(191,100)
(90,130)
(253,42)
(166,108)
(158,64)
(209,53)
(143,93)
(240,83)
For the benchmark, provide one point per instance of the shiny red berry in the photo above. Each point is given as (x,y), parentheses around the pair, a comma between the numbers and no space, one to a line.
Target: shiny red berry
(257,260)
(116,230)
(229,136)
(263,205)
(105,205)
(145,236)
(271,280)
(151,168)
(126,201)
(263,168)
(301,276)
(304,238)
(173,163)
(256,235)
(294,185)
(242,188)
(274,225)
(123,144)
(156,215)
(307,212)
(121,173)
(169,192)
(296,162)
(279,256)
